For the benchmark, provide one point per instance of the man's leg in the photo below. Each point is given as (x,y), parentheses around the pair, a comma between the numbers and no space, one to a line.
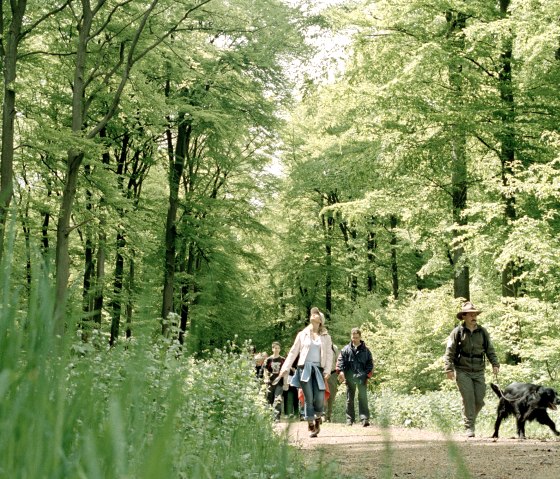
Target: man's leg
(278,400)
(286,396)
(479,384)
(350,394)
(333,388)
(466,388)
(363,407)
(295,400)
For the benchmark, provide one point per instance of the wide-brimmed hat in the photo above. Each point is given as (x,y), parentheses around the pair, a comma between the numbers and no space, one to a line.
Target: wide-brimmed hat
(468,307)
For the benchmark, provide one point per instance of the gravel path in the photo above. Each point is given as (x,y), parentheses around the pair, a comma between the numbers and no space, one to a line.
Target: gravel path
(373,452)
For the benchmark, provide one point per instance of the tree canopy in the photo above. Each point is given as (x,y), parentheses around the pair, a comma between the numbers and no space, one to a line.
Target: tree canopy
(419,167)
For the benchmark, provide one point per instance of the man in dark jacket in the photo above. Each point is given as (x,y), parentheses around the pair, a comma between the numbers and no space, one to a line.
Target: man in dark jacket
(355,366)
(468,346)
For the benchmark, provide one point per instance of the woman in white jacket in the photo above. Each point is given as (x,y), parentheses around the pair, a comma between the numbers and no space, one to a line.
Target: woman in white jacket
(314,347)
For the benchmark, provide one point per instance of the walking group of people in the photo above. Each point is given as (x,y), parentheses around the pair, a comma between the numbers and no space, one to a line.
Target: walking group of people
(315,366)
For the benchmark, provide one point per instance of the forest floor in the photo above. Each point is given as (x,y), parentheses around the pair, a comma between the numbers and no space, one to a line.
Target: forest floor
(374,452)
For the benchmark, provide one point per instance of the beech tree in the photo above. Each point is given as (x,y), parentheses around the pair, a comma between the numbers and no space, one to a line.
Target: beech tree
(12,33)
(223,122)
(91,23)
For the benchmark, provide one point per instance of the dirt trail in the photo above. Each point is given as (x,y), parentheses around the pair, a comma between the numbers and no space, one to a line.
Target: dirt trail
(373,452)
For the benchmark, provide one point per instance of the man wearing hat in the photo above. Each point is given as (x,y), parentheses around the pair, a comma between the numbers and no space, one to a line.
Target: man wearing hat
(468,346)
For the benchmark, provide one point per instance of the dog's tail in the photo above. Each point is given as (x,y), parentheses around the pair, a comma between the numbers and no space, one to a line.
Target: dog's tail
(497,390)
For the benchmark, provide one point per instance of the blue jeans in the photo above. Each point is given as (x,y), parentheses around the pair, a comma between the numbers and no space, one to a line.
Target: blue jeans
(314,398)
(363,408)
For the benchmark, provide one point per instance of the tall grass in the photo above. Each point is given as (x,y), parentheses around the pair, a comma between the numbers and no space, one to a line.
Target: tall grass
(139,410)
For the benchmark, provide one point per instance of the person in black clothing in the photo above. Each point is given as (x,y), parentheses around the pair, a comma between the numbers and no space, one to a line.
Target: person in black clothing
(275,390)
(291,400)
(355,366)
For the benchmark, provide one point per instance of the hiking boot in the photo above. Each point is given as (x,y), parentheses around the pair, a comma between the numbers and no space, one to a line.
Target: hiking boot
(469,433)
(349,422)
(365,422)
(317,425)
(310,426)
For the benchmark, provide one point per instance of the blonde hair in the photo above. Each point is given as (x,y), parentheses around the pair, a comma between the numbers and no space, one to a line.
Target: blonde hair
(322,328)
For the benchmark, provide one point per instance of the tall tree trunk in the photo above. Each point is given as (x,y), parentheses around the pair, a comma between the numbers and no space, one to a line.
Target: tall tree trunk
(349,234)
(62,239)
(461,287)
(509,274)
(73,163)
(118,279)
(394,259)
(100,276)
(45,224)
(99,290)
(9,43)
(186,293)
(45,233)
(328,226)
(130,297)
(89,269)
(371,256)
(177,165)
(509,283)
(27,236)
(117,289)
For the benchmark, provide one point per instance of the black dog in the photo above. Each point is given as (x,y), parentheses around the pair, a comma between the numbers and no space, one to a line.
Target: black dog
(527,402)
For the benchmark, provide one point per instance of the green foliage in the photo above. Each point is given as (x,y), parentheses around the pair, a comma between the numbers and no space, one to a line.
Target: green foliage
(138,410)
(408,339)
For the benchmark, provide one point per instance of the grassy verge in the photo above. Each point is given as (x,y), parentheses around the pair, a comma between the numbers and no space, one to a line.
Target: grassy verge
(140,410)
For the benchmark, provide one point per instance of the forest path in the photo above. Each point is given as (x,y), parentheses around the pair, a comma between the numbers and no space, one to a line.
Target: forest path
(373,452)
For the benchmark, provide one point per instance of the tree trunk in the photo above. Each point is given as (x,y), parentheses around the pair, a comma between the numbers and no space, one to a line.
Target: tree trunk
(420,282)
(117,290)
(461,287)
(99,290)
(371,255)
(186,293)
(510,285)
(89,270)
(27,236)
(176,172)
(74,161)
(118,279)
(328,226)
(9,42)
(100,277)
(394,263)
(130,296)
(62,239)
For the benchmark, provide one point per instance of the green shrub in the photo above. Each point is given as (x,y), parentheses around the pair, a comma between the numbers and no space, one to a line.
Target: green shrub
(138,410)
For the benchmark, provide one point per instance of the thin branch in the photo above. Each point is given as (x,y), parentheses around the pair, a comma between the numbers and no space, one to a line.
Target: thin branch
(485,70)
(72,228)
(108,19)
(171,30)
(44,17)
(487,145)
